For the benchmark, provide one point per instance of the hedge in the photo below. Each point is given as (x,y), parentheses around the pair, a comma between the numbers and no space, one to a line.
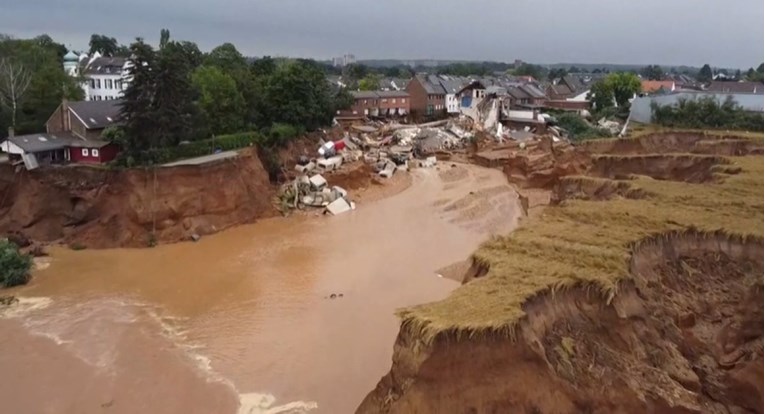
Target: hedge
(193,149)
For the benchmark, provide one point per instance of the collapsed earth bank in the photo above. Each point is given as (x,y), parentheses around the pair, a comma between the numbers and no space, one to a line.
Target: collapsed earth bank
(639,291)
(100,208)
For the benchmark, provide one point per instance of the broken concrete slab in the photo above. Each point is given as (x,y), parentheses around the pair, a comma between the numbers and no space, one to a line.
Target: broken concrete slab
(305,168)
(318,181)
(339,206)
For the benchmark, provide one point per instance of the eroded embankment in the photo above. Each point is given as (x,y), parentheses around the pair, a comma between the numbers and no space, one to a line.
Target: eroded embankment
(683,334)
(638,295)
(676,142)
(95,207)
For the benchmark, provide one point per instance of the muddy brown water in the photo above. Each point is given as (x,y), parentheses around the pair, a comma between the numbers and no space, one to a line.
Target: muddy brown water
(243,321)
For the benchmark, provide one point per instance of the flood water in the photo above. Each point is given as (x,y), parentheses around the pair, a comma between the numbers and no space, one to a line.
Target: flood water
(243,321)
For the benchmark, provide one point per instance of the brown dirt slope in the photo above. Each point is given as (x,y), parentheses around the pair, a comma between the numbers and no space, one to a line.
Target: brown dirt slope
(99,208)
(641,295)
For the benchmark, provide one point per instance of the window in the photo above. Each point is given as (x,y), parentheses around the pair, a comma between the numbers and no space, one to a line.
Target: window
(94,152)
(84,152)
(394,100)
(403,100)
(385,100)
(98,83)
(118,84)
(92,83)
(365,101)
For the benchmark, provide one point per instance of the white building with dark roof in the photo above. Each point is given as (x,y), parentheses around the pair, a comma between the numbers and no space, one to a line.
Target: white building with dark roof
(104,78)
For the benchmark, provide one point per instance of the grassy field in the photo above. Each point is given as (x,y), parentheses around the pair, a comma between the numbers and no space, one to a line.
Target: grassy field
(588,243)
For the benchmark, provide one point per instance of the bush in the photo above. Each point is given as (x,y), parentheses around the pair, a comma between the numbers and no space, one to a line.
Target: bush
(708,113)
(14,265)
(580,129)
(190,149)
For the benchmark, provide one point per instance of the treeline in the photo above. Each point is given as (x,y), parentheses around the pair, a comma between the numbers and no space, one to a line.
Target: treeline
(32,82)
(707,113)
(177,94)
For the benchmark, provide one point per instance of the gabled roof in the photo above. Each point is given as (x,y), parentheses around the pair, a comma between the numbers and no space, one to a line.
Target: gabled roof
(451,86)
(649,86)
(518,93)
(364,94)
(431,84)
(105,66)
(496,90)
(560,89)
(573,83)
(392,94)
(97,114)
(533,91)
(735,87)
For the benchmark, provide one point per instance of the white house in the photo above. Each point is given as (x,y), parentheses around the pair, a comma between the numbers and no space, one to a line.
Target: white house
(104,78)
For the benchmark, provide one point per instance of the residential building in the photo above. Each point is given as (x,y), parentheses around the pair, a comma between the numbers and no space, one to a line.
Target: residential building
(471,93)
(427,96)
(73,134)
(451,87)
(568,93)
(104,78)
(377,104)
(735,87)
(344,60)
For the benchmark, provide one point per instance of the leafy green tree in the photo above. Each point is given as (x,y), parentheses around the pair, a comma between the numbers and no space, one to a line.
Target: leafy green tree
(556,74)
(173,103)
(371,82)
(624,86)
(707,112)
(14,265)
(705,74)
(264,66)
(578,128)
(296,93)
(103,44)
(355,71)
(227,57)
(527,69)
(601,95)
(164,38)
(47,83)
(652,72)
(219,99)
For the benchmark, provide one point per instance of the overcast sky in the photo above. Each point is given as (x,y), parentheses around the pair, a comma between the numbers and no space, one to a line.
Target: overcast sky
(693,32)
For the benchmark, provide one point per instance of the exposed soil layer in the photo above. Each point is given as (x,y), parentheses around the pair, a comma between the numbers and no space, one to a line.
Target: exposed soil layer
(682,336)
(92,207)
(623,297)
(675,167)
(690,142)
(589,188)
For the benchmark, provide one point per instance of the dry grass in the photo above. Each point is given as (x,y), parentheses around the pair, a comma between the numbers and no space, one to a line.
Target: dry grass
(588,243)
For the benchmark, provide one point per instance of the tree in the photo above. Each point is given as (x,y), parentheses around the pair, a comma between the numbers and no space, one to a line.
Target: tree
(14,82)
(14,265)
(755,75)
(652,72)
(737,76)
(527,69)
(227,57)
(556,74)
(705,74)
(219,99)
(601,95)
(138,100)
(164,37)
(173,103)
(624,86)
(264,66)
(296,93)
(102,44)
(355,71)
(371,82)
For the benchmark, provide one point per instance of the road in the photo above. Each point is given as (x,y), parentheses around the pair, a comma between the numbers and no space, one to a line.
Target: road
(203,160)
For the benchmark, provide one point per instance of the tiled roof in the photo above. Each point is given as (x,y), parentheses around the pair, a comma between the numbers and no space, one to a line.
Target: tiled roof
(654,85)
(735,87)
(97,114)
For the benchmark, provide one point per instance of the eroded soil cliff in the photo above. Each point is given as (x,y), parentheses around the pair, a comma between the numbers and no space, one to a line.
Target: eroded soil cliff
(640,291)
(92,207)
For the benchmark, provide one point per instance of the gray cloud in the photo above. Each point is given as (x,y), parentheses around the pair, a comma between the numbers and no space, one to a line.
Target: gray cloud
(648,31)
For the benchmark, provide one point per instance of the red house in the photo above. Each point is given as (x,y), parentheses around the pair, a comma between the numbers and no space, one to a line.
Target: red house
(73,134)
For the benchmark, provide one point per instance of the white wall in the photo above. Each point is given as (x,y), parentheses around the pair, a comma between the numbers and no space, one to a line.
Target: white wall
(452,104)
(104,89)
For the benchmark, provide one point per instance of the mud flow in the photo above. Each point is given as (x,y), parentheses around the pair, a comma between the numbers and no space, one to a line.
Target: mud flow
(287,315)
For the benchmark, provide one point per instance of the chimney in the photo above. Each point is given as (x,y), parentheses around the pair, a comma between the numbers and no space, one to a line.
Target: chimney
(10,132)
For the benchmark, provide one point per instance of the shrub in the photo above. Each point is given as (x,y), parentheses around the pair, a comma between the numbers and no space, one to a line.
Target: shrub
(580,129)
(707,112)
(14,265)
(190,149)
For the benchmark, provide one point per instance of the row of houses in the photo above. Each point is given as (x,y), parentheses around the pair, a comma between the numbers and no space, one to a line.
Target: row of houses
(103,78)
